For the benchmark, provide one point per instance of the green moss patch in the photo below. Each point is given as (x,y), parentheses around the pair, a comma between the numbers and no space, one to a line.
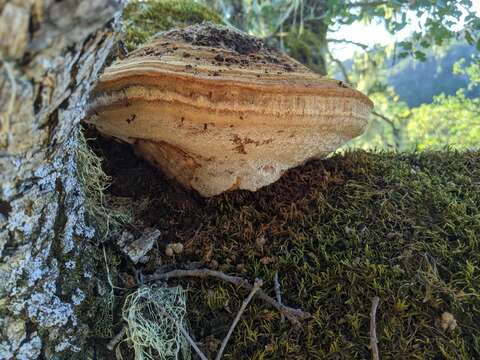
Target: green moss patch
(142,20)
(404,227)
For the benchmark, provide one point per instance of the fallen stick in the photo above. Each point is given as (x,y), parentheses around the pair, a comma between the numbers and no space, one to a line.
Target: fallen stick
(294,315)
(373,329)
(256,286)
(111,345)
(184,333)
(278,294)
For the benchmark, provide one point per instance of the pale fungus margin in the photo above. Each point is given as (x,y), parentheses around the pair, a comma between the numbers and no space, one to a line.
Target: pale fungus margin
(218,110)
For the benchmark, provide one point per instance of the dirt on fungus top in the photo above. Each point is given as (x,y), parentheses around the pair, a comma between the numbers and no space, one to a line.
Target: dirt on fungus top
(239,48)
(221,37)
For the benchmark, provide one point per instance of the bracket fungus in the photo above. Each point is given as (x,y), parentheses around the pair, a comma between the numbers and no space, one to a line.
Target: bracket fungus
(218,110)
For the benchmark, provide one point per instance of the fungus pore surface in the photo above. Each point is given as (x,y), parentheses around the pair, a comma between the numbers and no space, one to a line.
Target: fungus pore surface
(218,110)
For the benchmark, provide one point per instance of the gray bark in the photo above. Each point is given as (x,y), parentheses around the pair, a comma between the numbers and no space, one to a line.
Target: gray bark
(50,54)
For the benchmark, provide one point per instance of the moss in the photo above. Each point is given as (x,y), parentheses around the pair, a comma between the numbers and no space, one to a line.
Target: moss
(101,309)
(97,272)
(145,19)
(404,227)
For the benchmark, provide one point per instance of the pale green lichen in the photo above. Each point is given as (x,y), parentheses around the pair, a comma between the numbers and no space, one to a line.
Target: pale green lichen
(94,182)
(152,334)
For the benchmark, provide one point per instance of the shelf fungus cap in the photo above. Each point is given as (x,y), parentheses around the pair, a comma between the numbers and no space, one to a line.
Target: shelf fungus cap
(218,110)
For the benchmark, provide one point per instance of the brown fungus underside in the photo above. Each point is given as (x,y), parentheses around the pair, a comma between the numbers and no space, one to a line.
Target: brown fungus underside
(218,110)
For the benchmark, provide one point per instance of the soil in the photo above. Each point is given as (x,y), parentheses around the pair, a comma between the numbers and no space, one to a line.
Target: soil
(240,49)
(219,37)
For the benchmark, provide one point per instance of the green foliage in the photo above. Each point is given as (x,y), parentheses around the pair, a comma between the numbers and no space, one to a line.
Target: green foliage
(432,77)
(261,18)
(448,121)
(144,19)
(441,20)
(389,132)
(472,70)
(306,48)
(270,18)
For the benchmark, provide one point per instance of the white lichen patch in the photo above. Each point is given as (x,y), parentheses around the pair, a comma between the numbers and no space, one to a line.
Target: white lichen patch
(70,264)
(35,270)
(48,310)
(30,349)
(78,297)
(87,272)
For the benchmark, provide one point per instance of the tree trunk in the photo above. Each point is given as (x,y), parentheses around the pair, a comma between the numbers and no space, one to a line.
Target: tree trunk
(318,42)
(238,14)
(50,54)
(308,44)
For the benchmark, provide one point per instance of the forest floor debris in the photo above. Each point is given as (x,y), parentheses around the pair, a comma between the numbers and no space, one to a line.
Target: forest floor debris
(339,232)
(152,334)
(373,329)
(294,315)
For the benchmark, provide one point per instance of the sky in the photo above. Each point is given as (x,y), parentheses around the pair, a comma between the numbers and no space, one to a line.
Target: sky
(373,34)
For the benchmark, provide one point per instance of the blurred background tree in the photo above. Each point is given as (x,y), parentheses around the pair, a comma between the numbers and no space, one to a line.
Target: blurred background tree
(417,59)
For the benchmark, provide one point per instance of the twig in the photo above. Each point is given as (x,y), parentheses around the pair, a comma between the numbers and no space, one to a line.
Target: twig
(373,329)
(395,129)
(184,333)
(340,65)
(294,315)
(384,118)
(256,286)
(114,342)
(278,294)
(363,46)
(367,4)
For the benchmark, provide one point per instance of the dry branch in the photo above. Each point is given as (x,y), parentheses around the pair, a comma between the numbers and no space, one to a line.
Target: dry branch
(256,286)
(294,315)
(278,293)
(344,41)
(373,329)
